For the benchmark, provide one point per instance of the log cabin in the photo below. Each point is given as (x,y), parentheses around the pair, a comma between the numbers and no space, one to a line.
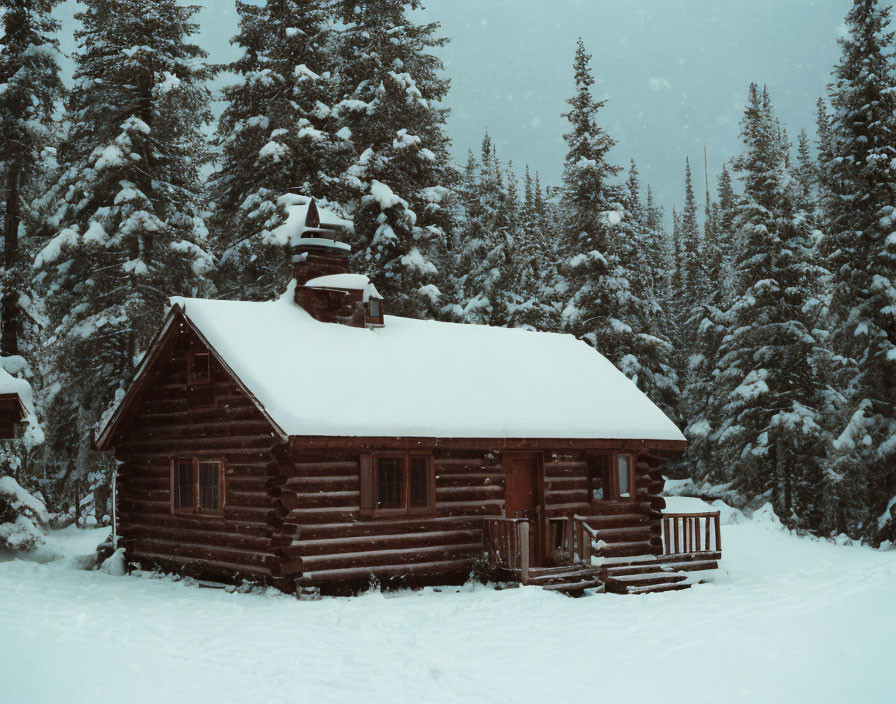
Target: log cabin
(313,443)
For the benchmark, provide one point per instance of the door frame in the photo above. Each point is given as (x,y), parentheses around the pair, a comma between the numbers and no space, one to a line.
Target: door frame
(540,530)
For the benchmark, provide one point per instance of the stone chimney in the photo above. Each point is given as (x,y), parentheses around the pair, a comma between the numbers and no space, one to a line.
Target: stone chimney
(324,286)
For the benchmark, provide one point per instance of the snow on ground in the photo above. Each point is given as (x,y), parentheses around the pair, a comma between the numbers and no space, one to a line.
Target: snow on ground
(786,619)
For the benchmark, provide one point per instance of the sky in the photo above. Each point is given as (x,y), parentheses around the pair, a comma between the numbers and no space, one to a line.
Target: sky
(674,73)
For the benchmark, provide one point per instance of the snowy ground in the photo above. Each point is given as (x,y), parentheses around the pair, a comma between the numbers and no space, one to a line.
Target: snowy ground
(787,619)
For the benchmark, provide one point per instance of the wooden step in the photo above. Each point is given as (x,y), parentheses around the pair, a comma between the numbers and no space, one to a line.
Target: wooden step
(649,578)
(623,520)
(573,586)
(643,584)
(662,566)
(628,534)
(571,574)
(625,549)
(691,557)
(538,571)
(658,588)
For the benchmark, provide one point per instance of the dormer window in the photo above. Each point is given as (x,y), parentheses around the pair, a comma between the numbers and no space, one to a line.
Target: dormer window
(374,311)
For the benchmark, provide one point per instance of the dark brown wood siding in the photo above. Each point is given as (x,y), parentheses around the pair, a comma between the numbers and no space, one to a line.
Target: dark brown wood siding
(337,544)
(249,538)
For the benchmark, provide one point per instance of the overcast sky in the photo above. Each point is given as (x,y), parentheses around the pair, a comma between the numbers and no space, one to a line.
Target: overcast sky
(675,73)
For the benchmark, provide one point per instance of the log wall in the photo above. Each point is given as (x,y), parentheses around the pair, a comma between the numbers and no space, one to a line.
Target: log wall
(338,545)
(250,538)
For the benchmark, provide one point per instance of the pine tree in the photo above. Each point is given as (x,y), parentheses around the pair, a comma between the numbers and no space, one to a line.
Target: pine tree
(676,277)
(724,233)
(390,89)
(536,269)
(127,223)
(700,333)
(771,438)
(806,175)
(490,236)
(29,74)
(859,156)
(650,359)
(693,265)
(592,211)
(278,136)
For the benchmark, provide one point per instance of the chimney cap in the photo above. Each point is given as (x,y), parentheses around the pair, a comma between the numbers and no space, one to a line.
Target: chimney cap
(310,226)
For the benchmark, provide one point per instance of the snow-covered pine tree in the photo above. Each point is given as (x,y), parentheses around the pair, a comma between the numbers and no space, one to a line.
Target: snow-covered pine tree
(31,87)
(488,242)
(860,248)
(699,333)
(724,235)
(127,231)
(806,175)
(650,360)
(770,439)
(537,276)
(390,91)
(693,262)
(29,74)
(593,211)
(278,137)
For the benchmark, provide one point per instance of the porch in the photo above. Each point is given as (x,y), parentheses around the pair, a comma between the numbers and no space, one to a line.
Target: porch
(618,551)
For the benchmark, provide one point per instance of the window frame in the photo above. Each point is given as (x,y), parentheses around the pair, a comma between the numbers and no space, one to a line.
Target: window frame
(610,476)
(195,387)
(175,463)
(196,508)
(369,490)
(374,320)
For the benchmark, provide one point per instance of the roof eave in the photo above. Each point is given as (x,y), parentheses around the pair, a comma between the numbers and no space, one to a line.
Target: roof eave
(497,444)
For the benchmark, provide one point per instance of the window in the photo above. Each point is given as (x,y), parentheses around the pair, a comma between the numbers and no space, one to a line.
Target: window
(419,482)
(183,485)
(612,477)
(197,486)
(600,477)
(389,481)
(200,377)
(397,484)
(623,475)
(208,486)
(374,311)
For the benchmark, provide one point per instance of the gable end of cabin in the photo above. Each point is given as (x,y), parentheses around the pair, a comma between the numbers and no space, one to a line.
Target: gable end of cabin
(200,471)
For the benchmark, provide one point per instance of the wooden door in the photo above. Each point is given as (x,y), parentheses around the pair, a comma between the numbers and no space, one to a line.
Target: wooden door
(523,498)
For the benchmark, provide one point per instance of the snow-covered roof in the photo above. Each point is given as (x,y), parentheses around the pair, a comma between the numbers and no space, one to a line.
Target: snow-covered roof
(421,378)
(11,385)
(347,282)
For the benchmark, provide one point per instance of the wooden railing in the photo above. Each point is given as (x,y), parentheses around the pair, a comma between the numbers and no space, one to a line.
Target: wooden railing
(507,545)
(571,536)
(685,533)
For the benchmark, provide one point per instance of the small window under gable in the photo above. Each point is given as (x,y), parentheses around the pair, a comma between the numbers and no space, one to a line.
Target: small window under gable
(200,376)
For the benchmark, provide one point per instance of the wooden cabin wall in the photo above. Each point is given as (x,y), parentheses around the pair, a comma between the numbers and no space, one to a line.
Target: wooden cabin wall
(338,545)
(567,487)
(628,527)
(250,538)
